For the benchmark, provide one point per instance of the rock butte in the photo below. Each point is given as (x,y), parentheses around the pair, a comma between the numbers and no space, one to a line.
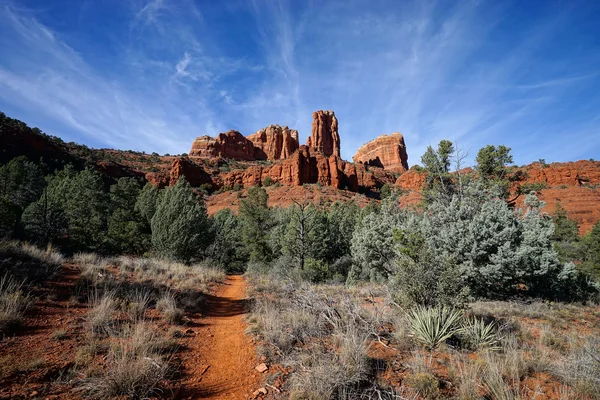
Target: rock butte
(385,151)
(573,184)
(274,142)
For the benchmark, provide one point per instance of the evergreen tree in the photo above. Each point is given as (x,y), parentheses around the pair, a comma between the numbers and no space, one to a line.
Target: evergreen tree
(127,232)
(45,221)
(180,226)
(145,204)
(227,248)
(255,216)
(591,252)
(566,236)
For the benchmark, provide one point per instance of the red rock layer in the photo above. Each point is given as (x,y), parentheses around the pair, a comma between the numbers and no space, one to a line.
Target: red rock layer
(274,142)
(231,145)
(386,151)
(324,136)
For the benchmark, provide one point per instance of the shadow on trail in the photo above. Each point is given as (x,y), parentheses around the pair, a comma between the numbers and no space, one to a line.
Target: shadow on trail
(219,307)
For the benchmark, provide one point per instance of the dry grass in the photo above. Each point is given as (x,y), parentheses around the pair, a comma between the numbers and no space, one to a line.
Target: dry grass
(167,305)
(14,302)
(134,366)
(137,303)
(582,368)
(100,317)
(26,261)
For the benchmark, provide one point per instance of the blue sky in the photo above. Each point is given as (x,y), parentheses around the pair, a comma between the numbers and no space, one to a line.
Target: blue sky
(153,75)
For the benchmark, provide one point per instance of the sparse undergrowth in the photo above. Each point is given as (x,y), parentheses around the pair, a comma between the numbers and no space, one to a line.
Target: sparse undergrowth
(496,350)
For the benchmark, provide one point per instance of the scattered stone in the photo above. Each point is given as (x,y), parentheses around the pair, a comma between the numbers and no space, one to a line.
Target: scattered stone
(262,367)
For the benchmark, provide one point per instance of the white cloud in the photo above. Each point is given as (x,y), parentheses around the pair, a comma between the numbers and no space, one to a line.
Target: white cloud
(431,70)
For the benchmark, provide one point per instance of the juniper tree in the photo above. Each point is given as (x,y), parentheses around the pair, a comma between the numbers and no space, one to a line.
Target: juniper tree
(180,226)
(255,216)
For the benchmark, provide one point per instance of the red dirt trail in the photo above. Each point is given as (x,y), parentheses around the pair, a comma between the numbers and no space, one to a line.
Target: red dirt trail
(221,365)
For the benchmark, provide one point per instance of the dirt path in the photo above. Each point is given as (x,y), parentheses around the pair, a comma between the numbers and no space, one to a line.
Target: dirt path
(221,363)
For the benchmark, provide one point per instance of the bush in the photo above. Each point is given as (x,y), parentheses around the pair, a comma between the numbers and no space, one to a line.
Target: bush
(14,302)
(268,181)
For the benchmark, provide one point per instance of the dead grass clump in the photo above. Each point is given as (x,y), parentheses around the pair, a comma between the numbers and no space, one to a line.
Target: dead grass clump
(26,261)
(137,303)
(100,317)
(14,302)
(167,305)
(134,366)
(325,374)
(582,368)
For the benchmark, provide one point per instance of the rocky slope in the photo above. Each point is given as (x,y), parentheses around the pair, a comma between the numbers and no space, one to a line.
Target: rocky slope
(385,151)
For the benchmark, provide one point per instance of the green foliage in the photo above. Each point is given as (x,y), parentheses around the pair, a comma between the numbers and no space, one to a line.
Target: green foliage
(146,202)
(422,279)
(128,231)
(268,181)
(385,191)
(491,161)
(80,199)
(255,216)
(227,248)
(372,245)
(566,236)
(45,221)
(433,326)
(437,165)
(477,334)
(315,271)
(180,225)
(591,252)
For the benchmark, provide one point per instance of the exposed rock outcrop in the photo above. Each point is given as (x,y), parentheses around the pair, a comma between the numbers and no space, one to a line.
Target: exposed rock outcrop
(385,151)
(324,136)
(231,144)
(274,142)
(193,173)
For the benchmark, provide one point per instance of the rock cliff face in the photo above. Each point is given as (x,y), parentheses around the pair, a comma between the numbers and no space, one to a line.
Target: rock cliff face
(324,136)
(304,167)
(386,151)
(274,142)
(227,145)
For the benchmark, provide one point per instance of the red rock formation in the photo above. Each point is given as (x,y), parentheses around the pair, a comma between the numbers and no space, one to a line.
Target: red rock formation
(193,173)
(274,142)
(411,180)
(324,136)
(385,151)
(227,145)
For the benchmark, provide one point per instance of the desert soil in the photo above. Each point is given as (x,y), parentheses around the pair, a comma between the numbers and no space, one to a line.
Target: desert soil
(221,365)
(217,358)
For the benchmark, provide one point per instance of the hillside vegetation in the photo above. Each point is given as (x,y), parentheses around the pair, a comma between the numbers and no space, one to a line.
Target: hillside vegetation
(466,296)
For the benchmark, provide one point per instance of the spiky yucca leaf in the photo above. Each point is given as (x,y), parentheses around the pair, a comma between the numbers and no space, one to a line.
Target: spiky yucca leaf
(481,335)
(433,326)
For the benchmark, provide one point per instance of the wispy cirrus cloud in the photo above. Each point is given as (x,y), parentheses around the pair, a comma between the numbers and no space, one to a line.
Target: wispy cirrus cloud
(476,72)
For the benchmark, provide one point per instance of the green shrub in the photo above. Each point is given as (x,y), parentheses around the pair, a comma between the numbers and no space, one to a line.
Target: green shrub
(268,181)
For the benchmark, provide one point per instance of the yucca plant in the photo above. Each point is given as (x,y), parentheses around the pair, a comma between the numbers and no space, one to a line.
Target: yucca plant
(479,335)
(433,326)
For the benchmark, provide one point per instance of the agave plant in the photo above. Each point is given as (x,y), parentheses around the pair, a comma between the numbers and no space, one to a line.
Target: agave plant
(480,335)
(433,326)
